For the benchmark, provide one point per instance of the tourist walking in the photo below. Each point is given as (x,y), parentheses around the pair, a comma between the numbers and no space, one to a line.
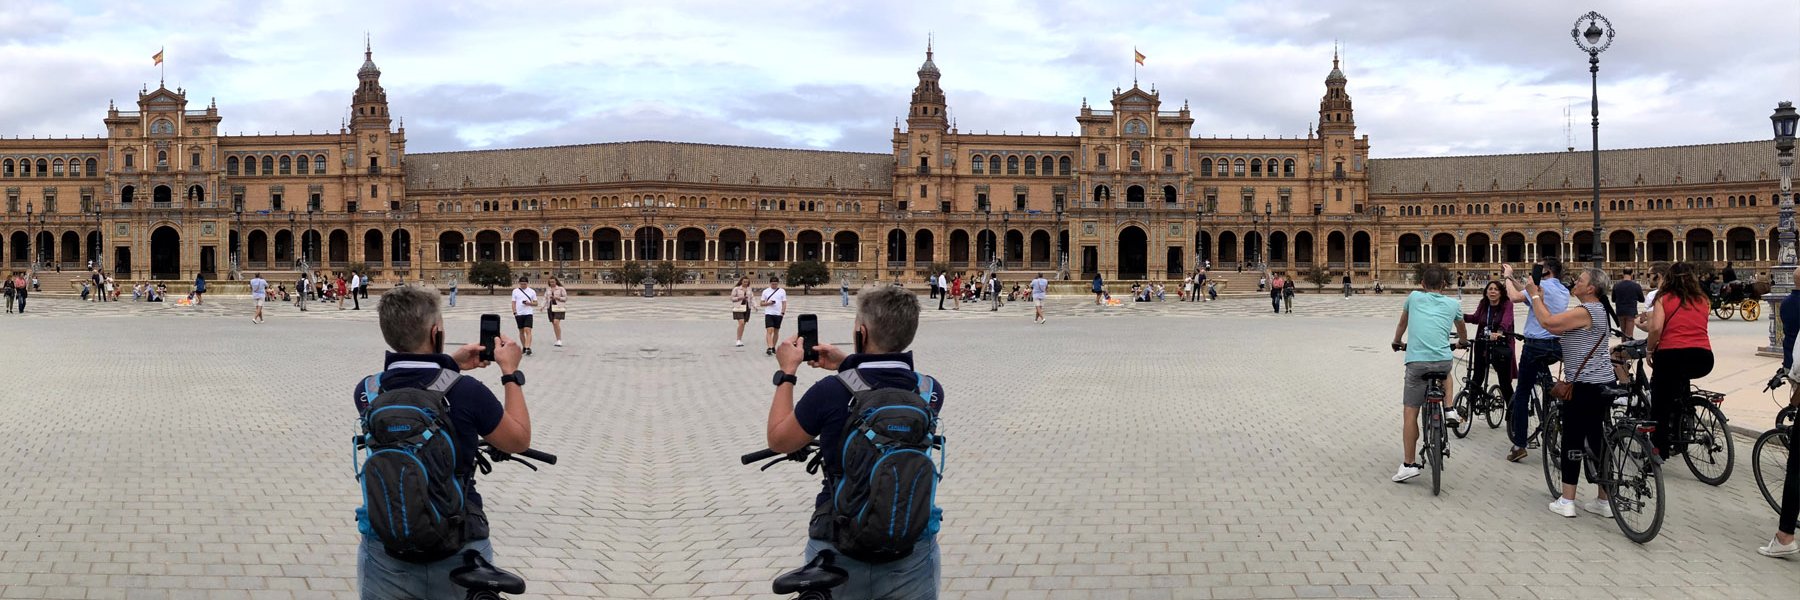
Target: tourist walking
(844,290)
(1287,295)
(1680,351)
(1583,327)
(6,288)
(199,289)
(1040,287)
(259,291)
(740,306)
(1346,285)
(356,283)
(1099,290)
(559,306)
(524,299)
(1493,317)
(1782,545)
(1200,283)
(1428,320)
(1626,294)
(931,280)
(301,288)
(1275,285)
(774,305)
(1541,347)
(21,291)
(452,291)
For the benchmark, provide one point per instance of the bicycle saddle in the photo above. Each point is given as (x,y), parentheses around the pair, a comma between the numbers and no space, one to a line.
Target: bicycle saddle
(818,575)
(1435,376)
(480,575)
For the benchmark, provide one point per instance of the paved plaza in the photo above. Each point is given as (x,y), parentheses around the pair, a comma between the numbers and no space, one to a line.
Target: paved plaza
(1145,451)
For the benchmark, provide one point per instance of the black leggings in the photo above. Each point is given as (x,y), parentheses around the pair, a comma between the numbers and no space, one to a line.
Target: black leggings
(1676,370)
(1790,490)
(1583,423)
(1502,368)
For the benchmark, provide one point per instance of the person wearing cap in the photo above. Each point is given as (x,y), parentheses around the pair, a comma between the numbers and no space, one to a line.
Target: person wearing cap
(523,299)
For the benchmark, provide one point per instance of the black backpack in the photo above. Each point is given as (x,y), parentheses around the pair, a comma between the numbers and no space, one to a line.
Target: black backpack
(411,495)
(883,502)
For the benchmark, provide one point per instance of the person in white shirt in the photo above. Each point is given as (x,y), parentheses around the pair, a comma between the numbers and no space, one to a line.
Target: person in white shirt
(943,284)
(523,299)
(356,283)
(774,303)
(259,290)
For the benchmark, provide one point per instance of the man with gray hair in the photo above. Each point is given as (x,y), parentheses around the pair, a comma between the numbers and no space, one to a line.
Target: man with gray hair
(414,330)
(886,319)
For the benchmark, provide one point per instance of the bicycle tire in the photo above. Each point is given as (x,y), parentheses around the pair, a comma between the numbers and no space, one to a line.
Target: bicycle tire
(1769,460)
(1434,445)
(1496,407)
(1550,428)
(1635,486)
(1465,407)
(1705,433)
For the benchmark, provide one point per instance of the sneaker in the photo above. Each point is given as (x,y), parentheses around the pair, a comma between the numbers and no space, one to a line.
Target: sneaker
(1452,419)
(1564,507)
(1407,471)
(740,343)
(1516,455)
(1775,550)
(1598,507)
(558,343)
(528,352)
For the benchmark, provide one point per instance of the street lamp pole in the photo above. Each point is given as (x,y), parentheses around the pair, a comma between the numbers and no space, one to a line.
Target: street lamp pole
(1782,276)
(31,245)
(1593,39)
(1267,246)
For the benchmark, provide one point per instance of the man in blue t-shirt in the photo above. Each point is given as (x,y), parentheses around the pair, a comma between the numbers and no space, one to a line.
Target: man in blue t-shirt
(886,319)
(1428,320)
(1541,348)
(414,329)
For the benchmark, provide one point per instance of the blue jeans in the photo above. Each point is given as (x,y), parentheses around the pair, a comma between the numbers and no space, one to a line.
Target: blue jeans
(846,295)
(383,577)
(915,577)
(1535,359)
(453,297)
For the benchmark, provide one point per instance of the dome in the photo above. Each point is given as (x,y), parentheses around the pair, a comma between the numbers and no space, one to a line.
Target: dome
(929,68)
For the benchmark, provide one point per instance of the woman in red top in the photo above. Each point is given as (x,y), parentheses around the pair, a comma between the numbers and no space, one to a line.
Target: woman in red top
(956,293)
(340,291)
(1680,349)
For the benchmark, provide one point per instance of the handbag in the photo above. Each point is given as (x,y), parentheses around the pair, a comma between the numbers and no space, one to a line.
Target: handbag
(1564,390)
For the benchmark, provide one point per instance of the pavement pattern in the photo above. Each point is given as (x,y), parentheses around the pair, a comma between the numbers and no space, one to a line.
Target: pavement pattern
(1156,450)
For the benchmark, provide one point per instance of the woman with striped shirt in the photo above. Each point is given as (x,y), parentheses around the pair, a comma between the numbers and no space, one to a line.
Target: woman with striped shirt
(1583,328)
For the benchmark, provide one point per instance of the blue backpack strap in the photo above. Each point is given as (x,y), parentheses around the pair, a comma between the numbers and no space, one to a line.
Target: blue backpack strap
(927,387)
(371,387)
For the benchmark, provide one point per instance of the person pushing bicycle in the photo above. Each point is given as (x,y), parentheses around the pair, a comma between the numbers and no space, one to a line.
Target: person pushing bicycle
(1427,322)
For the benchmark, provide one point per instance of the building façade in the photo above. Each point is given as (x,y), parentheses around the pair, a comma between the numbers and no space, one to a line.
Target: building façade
(1136,192)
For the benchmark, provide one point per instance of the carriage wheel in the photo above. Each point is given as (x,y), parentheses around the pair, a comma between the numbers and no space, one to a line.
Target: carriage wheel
(1723,310)
(1752,310)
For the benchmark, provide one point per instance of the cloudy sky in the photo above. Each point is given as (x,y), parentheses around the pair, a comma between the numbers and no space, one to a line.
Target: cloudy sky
(1428,77)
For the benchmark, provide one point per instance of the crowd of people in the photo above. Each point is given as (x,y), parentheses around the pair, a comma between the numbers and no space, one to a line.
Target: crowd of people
(1569,318)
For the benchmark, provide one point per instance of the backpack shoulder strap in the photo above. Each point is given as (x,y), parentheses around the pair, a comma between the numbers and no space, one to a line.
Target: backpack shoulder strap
(927,387)
(854,381)
(371,387)
(445,379)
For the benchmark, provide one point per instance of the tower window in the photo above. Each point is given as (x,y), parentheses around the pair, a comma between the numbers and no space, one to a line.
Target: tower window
(1102,160)
(921,191)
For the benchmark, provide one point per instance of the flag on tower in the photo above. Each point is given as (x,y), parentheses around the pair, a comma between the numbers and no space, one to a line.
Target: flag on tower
(1140,55)
(159,52)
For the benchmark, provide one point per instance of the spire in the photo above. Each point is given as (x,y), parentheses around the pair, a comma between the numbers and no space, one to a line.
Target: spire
(929,68)
(1335,113)
(1337,75)
(368,66)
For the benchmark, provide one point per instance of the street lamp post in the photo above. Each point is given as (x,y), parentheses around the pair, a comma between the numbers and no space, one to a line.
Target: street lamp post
(1267,246)
(1593,39)
(31,245)
(1782,276)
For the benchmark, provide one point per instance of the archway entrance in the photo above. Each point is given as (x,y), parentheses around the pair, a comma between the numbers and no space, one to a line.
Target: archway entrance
(1134,251)
(165,254)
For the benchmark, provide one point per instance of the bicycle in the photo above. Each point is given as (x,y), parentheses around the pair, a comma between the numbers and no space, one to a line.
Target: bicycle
(1473,399)
(1769,457)
(1436,444)
(1700,426)
(484,580)
(815,579)
(1631,471)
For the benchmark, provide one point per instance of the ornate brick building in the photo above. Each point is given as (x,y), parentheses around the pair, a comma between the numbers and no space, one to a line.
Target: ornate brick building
(1136,192)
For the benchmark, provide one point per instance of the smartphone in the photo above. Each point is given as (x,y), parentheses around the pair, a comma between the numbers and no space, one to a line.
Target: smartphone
(490,329)
(809,336)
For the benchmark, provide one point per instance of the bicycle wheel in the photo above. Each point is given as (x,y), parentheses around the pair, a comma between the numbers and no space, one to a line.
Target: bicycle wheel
(1634,483)
(1769,461)
(1465,408)
(1550,432)
(1710,449)
(1435,439)
(1495,407)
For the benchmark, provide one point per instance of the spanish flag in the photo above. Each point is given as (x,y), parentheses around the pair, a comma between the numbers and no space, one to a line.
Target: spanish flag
(158,57)
(1140,55)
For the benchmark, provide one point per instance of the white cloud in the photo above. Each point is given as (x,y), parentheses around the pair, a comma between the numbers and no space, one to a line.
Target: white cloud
(1427,78)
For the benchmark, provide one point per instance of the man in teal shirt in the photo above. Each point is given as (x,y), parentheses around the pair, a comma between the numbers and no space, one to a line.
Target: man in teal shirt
(1427,321)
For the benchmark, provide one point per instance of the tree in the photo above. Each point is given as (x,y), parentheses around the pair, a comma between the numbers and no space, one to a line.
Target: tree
(490,273)
(629,274)
(1318,276)
(666,273)
(806,274)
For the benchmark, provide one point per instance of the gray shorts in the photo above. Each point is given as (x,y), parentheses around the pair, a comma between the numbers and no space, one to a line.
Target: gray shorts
(1414,396)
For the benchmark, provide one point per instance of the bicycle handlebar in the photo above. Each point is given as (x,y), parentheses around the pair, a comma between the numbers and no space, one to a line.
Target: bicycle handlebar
(543,457)
(759,455)
(801,455)
(1777,381)
(496,455)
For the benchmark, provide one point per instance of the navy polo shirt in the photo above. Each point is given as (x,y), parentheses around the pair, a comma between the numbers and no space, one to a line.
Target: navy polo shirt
(474,412)
(826,405)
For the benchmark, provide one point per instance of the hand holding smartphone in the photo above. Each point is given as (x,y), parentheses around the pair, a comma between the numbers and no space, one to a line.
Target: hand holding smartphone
(490,329)
(809,337)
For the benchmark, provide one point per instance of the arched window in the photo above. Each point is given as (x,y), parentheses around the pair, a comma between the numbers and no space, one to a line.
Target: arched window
(6,168)
(287,165)
(1287,168)
(231,165)
(1012,165)
(1135,159)
(1206,167)
(268,165)
(994,165)
(319,165)
(1031,165)
(56,168)
(93,167)
(978,165)
(43,167)
(1063,165)
(1237,168)
(302,165)
(1256,167)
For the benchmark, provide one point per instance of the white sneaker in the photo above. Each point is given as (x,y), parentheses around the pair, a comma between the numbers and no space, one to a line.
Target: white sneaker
(1778,550)
(558,343)
(1598,507)
(1451,418)
(740,343)
(1406,472)
(1563,507)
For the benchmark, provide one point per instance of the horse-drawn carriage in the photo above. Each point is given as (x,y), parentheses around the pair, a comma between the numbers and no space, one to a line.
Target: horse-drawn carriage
(1739,298)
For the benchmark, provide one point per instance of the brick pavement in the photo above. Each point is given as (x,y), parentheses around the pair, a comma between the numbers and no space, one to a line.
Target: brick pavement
(1170,451)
